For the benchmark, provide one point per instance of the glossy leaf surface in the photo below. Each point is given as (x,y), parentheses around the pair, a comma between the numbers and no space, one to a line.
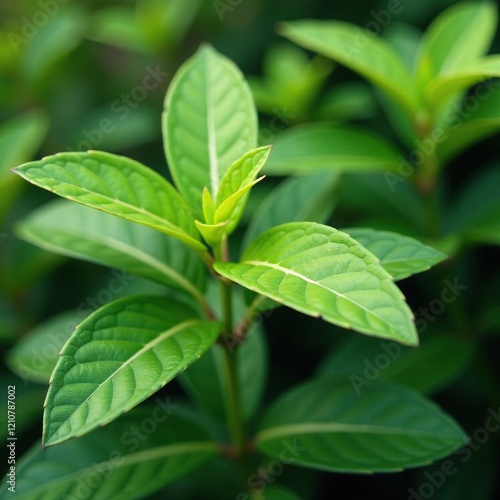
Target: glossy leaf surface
(119,356)
(320,271)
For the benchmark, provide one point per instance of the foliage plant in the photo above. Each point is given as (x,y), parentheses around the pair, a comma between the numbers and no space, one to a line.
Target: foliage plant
(101,438)
(124,352)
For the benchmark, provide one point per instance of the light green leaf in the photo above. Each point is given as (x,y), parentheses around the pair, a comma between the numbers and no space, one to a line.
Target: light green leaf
(204,380)
(439,89)
(325,425)
(114,462)
(401,256)
(35,355)
(475,122)
(323,272)
(459,35)
(119,356)
(209,122)
(19,140)
(371,57)
(298,199)
(235,185)
(308,149)
(117,185)
(77,231)
(365,360)
(212,233)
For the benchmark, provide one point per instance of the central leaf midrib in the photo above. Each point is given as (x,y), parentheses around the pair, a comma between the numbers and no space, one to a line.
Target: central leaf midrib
(313,282)
(138,457)
(339,427)
(161,221)
(147,347)
(211,134)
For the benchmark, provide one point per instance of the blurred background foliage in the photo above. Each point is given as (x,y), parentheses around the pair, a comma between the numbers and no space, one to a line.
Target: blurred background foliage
(74,76)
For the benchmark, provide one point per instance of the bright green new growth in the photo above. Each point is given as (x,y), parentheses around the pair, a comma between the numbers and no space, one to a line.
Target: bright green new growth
(127,350)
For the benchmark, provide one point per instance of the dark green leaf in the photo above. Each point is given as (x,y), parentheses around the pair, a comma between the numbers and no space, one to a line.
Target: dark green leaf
(327,426)
(400,255)
(118,461)
(365,360)
(309,149)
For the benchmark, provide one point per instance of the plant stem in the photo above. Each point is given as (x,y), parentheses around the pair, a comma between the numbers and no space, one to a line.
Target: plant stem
(234,413)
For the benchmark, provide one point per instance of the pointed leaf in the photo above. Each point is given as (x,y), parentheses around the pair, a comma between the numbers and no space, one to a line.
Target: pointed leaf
(209,122)
(236,184)
(364,359)
(291,201)
(327,426)
(371,57)
(439,89)
(320,271)
(459,35)
(117,185)
(473,124)
(114,462)
(208,205)
(231,208)
(77,231)
(401,256)
(308,149)
(212,233)
(119,356)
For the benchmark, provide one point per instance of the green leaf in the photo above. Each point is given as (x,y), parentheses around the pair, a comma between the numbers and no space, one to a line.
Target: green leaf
(291,201)
(473,123)
(365,360)
(371,57)
(308,149)
(208,123)
(323,272)
(119,356)
(54,41)
(439,89)
(35,355)
(117,185)
(114,462)
(235,185)
(212,233)
(401,256)
(476,215)
(459,35)
(325,425)
(19,140)
(77,231)
(204,380)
